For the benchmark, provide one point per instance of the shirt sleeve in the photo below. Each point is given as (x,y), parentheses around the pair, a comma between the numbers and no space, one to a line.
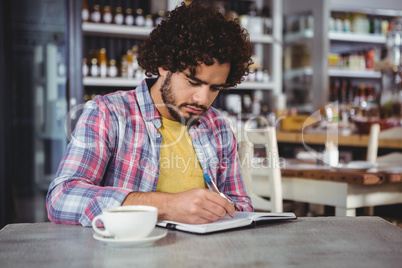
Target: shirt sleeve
(76,195)
(234,185)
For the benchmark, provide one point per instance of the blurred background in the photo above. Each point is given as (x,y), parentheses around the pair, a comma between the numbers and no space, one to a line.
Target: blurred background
(309,55)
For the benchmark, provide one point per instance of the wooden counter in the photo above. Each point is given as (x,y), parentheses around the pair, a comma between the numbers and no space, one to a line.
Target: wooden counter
(356,140)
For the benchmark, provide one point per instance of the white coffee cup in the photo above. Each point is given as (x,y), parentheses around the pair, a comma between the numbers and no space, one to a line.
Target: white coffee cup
(127,222)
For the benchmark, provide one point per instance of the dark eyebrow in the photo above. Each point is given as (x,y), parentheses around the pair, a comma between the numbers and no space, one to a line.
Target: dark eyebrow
(192,77)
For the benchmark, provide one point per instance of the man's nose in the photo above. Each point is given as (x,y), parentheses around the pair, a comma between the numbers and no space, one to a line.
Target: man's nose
(201,95)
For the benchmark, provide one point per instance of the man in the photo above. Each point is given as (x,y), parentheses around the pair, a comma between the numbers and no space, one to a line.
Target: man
(152,145)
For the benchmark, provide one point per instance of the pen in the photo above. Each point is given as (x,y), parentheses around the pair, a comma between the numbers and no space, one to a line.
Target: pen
(212,186)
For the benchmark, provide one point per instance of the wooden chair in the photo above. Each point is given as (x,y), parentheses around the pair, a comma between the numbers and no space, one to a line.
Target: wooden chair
(262,178)
(374,136)
(372,150)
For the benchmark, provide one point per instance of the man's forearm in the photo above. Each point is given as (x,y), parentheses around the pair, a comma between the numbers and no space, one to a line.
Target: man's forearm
(156,199)
(193,206)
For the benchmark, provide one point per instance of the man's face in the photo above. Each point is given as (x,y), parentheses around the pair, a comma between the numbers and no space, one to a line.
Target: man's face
(188,96)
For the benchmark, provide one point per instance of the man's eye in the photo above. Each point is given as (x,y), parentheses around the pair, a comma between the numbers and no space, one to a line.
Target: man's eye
(217,88)
(193,83)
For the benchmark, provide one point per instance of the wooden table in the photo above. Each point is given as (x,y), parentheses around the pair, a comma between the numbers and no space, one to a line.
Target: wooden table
(354,140)
(305,242)
(346,191)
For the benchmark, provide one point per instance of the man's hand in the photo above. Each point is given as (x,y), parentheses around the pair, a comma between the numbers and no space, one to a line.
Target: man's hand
(195,206)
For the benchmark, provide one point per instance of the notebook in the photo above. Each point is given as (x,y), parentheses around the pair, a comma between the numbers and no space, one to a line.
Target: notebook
(241,219)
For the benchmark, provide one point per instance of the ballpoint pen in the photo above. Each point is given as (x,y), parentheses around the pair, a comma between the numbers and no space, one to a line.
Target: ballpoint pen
(212,186)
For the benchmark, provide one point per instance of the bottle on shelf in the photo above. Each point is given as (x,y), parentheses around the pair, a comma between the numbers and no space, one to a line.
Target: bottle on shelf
(266,76)
(159,17)
(343,108)
(85,11)
(149,22)
(102,63)
(139,74)
(139,17)
(259,75)
(118,16)
(384,27)
(251,76)
(107,16)
(129,19)
(370,57)
(347,25)
(363,101)
(85,69)
(87,97)
(112,70)
(257,99)
(94,71)
(134,50)
(373,111)
(247,104)
(130,70)
(123,66)
(96,14)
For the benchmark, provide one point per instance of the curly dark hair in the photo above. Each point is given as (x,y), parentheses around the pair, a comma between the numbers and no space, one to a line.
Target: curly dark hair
(194,34)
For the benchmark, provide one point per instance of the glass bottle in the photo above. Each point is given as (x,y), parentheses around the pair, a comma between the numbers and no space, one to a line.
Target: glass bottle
(130,70)
(87,97)
(112,71)
(118,16)
(95,14)
(94,67)
(85,11)
(123,66)
(102,63)
(134,57)
(266,77)
(139,74)
(259,75)
(85,69)
(149,22)
(159,17)
(107,15)
(139,17)
(129,19)
(362,100)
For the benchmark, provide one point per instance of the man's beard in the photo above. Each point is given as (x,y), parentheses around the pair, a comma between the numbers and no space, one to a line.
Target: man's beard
(174,110)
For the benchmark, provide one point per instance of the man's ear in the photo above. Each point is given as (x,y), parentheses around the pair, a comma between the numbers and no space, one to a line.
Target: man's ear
(162,72)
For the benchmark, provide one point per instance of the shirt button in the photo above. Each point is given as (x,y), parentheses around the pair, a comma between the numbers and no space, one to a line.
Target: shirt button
(158,135)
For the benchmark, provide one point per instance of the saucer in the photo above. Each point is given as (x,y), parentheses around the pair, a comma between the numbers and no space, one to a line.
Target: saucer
(125,243)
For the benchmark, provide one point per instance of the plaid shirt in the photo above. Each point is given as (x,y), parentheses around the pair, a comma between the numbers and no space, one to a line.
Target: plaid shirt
(115,150)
